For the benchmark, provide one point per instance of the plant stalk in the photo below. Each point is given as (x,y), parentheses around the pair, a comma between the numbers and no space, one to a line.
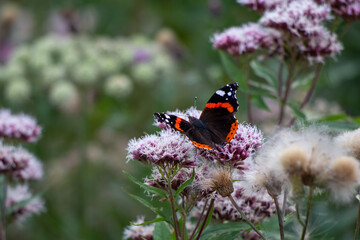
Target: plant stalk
(205,219)
(198,222)
(280,216)
(356,237)
(3,210)
(245,218)
(286,94)
(311,190)
(173,210)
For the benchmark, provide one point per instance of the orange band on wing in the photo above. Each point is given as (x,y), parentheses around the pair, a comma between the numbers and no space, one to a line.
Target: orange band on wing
(201,145)
(177,124)
(220,104)
(232,132)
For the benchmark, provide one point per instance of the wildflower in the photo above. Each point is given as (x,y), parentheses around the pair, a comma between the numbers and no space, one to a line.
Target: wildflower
(19,163)
(20,194)
(64,95)
(165,148)
(347,9)
(139,232)
(144,72)
(17,91)
(18,126)
(261,5)
(298,18)
(350,141)
(220,181)
(246,141)
(118,86)
(245,39)
(85,73)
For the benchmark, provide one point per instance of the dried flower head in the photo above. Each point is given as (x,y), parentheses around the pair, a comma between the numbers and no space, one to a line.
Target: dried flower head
(18,126)
(350,141)
(139,232)
(294,160)
(166,147)
(18,194)
(220,181)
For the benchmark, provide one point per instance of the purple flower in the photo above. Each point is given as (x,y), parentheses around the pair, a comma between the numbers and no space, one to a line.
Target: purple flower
(347,9)
(246,140)
(261,5)
(18,126)
(139,232)
(297,17)
(245,39)
(19,163)
(165,148)
(18,194)
(141,55)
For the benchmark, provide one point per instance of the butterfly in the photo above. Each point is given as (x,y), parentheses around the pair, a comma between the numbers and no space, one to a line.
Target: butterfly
(217,123)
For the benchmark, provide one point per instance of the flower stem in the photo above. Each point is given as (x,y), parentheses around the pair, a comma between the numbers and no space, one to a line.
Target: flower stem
(298,214)
(198,222)
(245,218)
(173,210)
(307,212)
(357,224)
(286,94)
(310,92)
(280,216)
(205,219)
(3,210)
(280,79)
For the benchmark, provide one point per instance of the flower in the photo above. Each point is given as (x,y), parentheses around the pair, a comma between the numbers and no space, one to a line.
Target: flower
(245,39)
(64,95)
(139,232)
(18,194)
(246,141)
(18,126)
(296,17)
(19,163)
(17,91)
(166,147)
(261,5)
(118,86)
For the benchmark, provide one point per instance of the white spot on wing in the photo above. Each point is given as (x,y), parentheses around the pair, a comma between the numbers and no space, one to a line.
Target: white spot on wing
(220,93)
(229,93)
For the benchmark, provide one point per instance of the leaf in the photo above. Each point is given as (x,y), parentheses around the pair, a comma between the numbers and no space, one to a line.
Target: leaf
(159,219)
(358,197)
(154,190)
(224,228)
(145,203)
(303,82)
(267,74)
(260,103)
(333,118)
(297,111)
(259,92)
(161,231)
(233,70)
(22,203)
(185,184)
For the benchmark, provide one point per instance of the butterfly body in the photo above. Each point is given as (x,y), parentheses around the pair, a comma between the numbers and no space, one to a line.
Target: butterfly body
(217,124)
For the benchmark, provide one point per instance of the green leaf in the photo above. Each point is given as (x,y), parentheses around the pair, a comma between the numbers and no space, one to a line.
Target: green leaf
(297,111)
(267,74)
(260,103)
(233,70)
(145,203)
(154,190)
(159,219)
(333,118)
(303,82)
(223,228)
(161,231)
(185,184)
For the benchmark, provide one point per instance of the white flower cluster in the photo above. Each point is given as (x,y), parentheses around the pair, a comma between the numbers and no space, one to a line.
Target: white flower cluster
(62,67)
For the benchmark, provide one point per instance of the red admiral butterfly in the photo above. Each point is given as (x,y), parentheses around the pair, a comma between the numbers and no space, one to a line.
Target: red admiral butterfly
(217,123)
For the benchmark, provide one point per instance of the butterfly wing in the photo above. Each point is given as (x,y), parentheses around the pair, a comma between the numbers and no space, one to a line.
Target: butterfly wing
(218,115)
(198,137)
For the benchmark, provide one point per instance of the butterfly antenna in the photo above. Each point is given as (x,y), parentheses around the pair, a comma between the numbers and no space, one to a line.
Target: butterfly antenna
(195,102)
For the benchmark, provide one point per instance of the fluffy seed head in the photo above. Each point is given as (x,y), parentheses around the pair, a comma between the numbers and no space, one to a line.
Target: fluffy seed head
(294,160)
(350,141)
(221,182)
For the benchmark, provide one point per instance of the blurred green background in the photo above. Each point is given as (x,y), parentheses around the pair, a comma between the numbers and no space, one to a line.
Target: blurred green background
(83,146)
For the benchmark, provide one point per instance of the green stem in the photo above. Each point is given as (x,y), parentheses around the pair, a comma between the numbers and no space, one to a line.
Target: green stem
(298,214)
(311,190)
(173,210)
(245,218)
(3,210)
(357,224)
(205,219)
(286,94)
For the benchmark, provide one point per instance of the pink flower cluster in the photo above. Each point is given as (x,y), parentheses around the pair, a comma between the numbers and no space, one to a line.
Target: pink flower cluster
(261,5)
(166,147)
(246,39)
(246,141)
(18,194)
(139,232)
(18,126)
(19,163)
